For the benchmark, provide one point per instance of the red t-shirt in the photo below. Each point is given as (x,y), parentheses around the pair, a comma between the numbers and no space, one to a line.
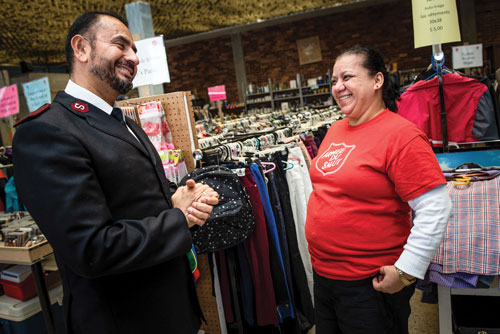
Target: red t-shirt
(358,218)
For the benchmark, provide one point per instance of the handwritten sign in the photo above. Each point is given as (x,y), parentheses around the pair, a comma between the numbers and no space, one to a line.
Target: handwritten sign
(467,56)
(37,93)
(217,93)
(435,22)
(153,66)
(9,101)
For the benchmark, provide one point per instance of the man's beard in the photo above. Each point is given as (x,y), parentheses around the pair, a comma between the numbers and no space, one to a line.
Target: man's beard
(105,72)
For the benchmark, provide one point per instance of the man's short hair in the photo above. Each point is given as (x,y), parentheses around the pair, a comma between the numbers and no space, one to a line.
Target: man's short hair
(82,25)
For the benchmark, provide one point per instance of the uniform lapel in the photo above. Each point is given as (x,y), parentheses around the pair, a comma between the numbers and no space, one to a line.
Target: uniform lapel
(99,120)
(107,124)
(142,137)
(160,172)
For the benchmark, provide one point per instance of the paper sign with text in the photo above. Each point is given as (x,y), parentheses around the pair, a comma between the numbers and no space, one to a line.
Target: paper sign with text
(217,93)
(153,66)
(37,93)
(9,101)
(435,22)
(467,56)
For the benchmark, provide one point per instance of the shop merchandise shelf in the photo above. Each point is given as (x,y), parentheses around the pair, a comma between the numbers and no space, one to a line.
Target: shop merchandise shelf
(286,90)
(258,94)
(33,256)
(319,94)
(287,98)
(300,94)
(25,255)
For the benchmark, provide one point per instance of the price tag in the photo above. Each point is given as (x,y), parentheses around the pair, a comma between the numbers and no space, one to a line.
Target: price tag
(435,22)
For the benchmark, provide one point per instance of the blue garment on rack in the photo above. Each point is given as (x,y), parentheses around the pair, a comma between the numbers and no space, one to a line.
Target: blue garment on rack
(286,310)
(11,198)
(246,286)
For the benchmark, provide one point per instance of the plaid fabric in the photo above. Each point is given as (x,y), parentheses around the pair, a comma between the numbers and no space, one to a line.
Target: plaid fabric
(471,243)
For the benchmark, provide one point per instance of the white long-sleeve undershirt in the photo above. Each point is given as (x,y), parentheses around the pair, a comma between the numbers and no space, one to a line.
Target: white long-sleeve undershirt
(431,212)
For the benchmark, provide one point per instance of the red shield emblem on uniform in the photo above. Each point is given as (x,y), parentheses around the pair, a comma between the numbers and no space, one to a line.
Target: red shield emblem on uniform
(80,106)
(333,158)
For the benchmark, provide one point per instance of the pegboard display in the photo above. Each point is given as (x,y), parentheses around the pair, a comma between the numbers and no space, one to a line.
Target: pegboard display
(180,117)
(207,301)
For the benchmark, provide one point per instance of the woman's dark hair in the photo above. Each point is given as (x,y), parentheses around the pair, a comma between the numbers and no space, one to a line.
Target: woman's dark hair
(374,63)
(83,24)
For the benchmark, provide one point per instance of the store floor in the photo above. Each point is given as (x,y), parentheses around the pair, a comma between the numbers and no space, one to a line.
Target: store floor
(424,317)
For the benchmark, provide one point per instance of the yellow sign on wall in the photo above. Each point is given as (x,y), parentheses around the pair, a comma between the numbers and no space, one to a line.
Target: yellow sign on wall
(435,22)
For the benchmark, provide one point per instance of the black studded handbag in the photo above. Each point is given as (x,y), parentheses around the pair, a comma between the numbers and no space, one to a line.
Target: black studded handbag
(232,220)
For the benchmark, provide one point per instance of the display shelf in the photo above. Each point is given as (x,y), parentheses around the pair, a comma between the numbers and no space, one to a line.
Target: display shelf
(316,86)
(258,94)
(287,98)
(285,90)
(32,256)
(302,93)
(258,102)
(25,255)
(318,94)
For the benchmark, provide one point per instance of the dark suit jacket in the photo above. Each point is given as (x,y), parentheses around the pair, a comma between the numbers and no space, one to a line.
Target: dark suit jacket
(102,200)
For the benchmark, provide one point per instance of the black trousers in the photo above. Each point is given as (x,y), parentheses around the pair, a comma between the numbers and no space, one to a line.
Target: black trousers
(354,307)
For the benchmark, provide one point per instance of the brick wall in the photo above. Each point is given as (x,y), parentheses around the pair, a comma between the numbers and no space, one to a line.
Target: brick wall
(272,52)
(197,66)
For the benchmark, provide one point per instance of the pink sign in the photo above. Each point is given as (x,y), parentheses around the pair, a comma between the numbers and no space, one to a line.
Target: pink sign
(217,93)
(9,101)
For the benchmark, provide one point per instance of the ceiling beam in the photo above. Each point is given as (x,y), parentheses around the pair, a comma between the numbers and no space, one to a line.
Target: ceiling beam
(356,4)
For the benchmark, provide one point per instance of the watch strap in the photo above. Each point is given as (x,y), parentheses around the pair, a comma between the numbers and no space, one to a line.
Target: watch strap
(404,279)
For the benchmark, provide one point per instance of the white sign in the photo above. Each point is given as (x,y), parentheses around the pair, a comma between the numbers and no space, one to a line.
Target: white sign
(467,56)
(37,93)
(153,67)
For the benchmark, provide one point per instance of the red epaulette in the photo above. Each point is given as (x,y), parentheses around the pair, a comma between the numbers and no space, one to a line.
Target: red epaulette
(34,114)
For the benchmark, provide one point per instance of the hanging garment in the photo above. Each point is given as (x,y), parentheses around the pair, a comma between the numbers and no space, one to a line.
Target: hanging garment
(471,243)
(455,280)
(225,288)
(257,251)
(305,154)
(11,198)
(302,296)
(285,309)
(280,222)
(246,285)
(470,112)
(218,293)
(300,186)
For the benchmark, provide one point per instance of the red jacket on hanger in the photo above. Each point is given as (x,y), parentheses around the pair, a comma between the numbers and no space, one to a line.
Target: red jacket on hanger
(470,112)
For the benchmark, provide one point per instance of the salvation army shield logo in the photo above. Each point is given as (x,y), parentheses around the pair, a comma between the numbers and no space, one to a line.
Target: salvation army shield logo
(333,158)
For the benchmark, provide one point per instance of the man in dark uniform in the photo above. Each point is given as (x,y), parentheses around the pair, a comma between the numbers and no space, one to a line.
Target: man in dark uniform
(96,187)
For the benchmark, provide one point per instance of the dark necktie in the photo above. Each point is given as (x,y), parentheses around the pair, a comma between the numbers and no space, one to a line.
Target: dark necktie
(118,114)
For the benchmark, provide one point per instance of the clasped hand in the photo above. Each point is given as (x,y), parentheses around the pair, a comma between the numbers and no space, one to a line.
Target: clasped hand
(196,201)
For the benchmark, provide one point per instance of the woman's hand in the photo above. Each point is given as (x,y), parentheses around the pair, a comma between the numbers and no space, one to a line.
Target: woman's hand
(388,280)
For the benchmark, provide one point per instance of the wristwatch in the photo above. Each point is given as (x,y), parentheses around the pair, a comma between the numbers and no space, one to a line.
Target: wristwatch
(404,279)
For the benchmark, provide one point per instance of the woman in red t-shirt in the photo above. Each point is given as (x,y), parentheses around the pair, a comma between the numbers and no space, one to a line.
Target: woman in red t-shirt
(372,169)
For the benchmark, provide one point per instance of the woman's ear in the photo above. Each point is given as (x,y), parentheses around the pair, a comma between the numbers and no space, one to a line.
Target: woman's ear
(81,48)
(379,80)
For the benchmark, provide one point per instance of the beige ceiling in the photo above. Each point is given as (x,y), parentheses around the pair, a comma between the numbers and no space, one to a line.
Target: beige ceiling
(34,31)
